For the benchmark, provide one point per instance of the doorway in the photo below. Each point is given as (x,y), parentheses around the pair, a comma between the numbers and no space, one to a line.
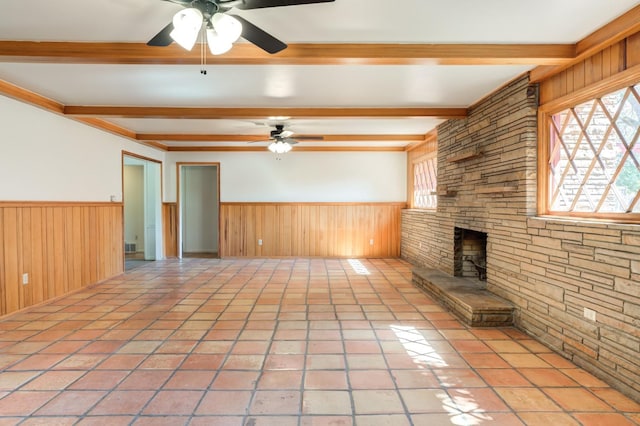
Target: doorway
(198,209)
(142,201)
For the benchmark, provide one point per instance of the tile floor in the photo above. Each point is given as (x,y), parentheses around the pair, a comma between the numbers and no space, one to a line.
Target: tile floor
(281,342)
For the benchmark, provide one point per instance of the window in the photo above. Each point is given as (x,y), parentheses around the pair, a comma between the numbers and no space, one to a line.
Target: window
(422,173)
(593,157)
(425,173)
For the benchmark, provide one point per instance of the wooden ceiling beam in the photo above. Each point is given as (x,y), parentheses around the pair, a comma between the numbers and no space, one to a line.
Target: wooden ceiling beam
(260,113)
(182,137)
(295,54)
(296,148)
(105,125)
(29,97)
(611,33)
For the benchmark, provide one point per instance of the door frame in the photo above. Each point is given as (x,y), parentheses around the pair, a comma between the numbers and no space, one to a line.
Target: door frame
(179,166)
(159,248)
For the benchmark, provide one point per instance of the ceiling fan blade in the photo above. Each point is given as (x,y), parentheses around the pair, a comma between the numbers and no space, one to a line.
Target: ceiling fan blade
(184,3)
(289,141)
(259,4)
(259,37)
(309,138)
(163,38)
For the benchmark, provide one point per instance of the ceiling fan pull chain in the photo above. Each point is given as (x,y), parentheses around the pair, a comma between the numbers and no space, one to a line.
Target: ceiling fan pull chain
(203,54)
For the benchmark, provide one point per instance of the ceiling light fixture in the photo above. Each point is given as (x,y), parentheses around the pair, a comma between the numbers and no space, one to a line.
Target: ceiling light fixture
(227,27)
(186,27)
(279,147)
(222,30)
(217,44)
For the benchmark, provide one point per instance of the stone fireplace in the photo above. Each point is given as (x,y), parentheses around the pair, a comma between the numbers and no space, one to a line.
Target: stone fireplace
(544,265)
(465,293)
(470,253)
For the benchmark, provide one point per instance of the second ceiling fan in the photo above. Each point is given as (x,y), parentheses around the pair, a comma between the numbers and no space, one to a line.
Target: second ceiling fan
(281,140)
(222,28)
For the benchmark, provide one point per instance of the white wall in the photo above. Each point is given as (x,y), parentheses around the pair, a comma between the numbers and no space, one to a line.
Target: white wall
(134,206)
(300,176)
(47,157)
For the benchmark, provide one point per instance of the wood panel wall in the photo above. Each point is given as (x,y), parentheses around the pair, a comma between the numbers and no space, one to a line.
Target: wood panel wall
(62,246)
(604,64)
(310,229)
(170,229)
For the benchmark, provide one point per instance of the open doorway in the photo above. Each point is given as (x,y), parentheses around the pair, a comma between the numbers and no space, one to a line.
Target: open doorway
(198,209)
(142,200)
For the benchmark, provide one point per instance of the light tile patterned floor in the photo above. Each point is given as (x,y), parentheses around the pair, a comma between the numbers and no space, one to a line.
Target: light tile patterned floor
(281,342)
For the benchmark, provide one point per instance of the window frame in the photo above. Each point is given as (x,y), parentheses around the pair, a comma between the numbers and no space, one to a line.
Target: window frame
(620,81)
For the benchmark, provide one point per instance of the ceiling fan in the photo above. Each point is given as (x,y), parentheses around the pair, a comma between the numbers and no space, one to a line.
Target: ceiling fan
(222,28)
(281,139)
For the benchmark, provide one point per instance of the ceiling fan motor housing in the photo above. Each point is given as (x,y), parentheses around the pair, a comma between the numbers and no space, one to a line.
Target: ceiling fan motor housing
(277,131)
(207,8)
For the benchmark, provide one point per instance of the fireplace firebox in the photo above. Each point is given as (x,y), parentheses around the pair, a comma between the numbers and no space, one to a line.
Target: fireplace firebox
(470,253)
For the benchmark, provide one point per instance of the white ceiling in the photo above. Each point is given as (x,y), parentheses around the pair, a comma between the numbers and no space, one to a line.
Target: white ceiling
(399,21)
(278,86)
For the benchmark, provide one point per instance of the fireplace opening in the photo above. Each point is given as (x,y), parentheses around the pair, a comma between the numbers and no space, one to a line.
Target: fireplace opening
(470,253)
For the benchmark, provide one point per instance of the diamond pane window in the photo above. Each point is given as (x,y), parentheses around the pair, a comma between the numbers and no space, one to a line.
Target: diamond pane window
(425,175)
(594,155)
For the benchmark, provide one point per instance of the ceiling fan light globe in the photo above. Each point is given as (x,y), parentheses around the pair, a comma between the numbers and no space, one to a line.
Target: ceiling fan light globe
(227,27)
(186,27)
(217,45)
(279,147)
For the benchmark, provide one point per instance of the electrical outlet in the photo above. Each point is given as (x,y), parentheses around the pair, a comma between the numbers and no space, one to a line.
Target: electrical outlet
(25,278)
(260,242)
(590,314)
(371,242)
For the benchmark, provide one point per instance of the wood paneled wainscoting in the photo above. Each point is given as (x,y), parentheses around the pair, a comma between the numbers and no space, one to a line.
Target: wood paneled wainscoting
(61,246)
(170,229)
(310,229)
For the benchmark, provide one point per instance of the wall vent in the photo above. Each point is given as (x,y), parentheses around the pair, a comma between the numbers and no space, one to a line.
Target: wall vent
(129,247)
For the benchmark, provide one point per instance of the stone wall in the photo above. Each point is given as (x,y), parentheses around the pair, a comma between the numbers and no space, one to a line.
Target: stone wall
(550,268)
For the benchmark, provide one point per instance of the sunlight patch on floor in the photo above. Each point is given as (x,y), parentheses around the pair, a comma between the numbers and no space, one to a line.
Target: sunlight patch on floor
(358,267)
(463,409)
(417,347)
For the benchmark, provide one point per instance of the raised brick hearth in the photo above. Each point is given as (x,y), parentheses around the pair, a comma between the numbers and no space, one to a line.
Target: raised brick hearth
(465,297)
